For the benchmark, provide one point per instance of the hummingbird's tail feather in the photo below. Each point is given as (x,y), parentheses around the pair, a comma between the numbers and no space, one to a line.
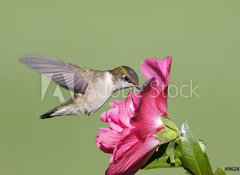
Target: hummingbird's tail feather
(66,108)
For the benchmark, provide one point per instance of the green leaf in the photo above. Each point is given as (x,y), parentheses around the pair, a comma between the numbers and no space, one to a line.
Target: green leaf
(220,171)
(169,124)
(163,162)
(169,133)
(167,156)
(193,159)
(202,145)
(170,151)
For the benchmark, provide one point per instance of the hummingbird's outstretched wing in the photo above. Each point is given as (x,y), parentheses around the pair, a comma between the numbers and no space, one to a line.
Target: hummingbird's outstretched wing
(65,74)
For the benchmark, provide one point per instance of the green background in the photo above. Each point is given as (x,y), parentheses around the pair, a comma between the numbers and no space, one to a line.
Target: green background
(202,36)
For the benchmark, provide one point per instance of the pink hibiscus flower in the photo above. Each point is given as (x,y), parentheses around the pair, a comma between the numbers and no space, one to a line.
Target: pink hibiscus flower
(133,122)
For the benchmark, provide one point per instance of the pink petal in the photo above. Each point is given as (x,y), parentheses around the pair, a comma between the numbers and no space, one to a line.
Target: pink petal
(134,158)
(134,100)
(112,117)
(126,144)
(108,139)
(159,69)
(99,141)
(160,95)
(127,110)
(153,106)
(113,112)
(119,116)
(115,103)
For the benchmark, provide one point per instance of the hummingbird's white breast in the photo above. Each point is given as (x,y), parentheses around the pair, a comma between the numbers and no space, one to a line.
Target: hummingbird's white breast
(109,81)
(99,89)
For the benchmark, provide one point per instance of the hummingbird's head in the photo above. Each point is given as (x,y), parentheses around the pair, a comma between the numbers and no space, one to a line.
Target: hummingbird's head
(125,76)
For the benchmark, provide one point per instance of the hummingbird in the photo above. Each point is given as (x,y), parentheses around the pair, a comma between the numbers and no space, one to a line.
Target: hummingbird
(92,88)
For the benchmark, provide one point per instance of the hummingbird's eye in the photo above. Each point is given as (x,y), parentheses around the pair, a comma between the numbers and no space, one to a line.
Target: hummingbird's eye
(126,78)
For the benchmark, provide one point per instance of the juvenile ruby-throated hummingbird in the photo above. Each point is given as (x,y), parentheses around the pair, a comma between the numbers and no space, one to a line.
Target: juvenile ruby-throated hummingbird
(91,87)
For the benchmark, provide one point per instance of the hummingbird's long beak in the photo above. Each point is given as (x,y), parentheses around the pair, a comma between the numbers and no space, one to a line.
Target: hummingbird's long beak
(139,87)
